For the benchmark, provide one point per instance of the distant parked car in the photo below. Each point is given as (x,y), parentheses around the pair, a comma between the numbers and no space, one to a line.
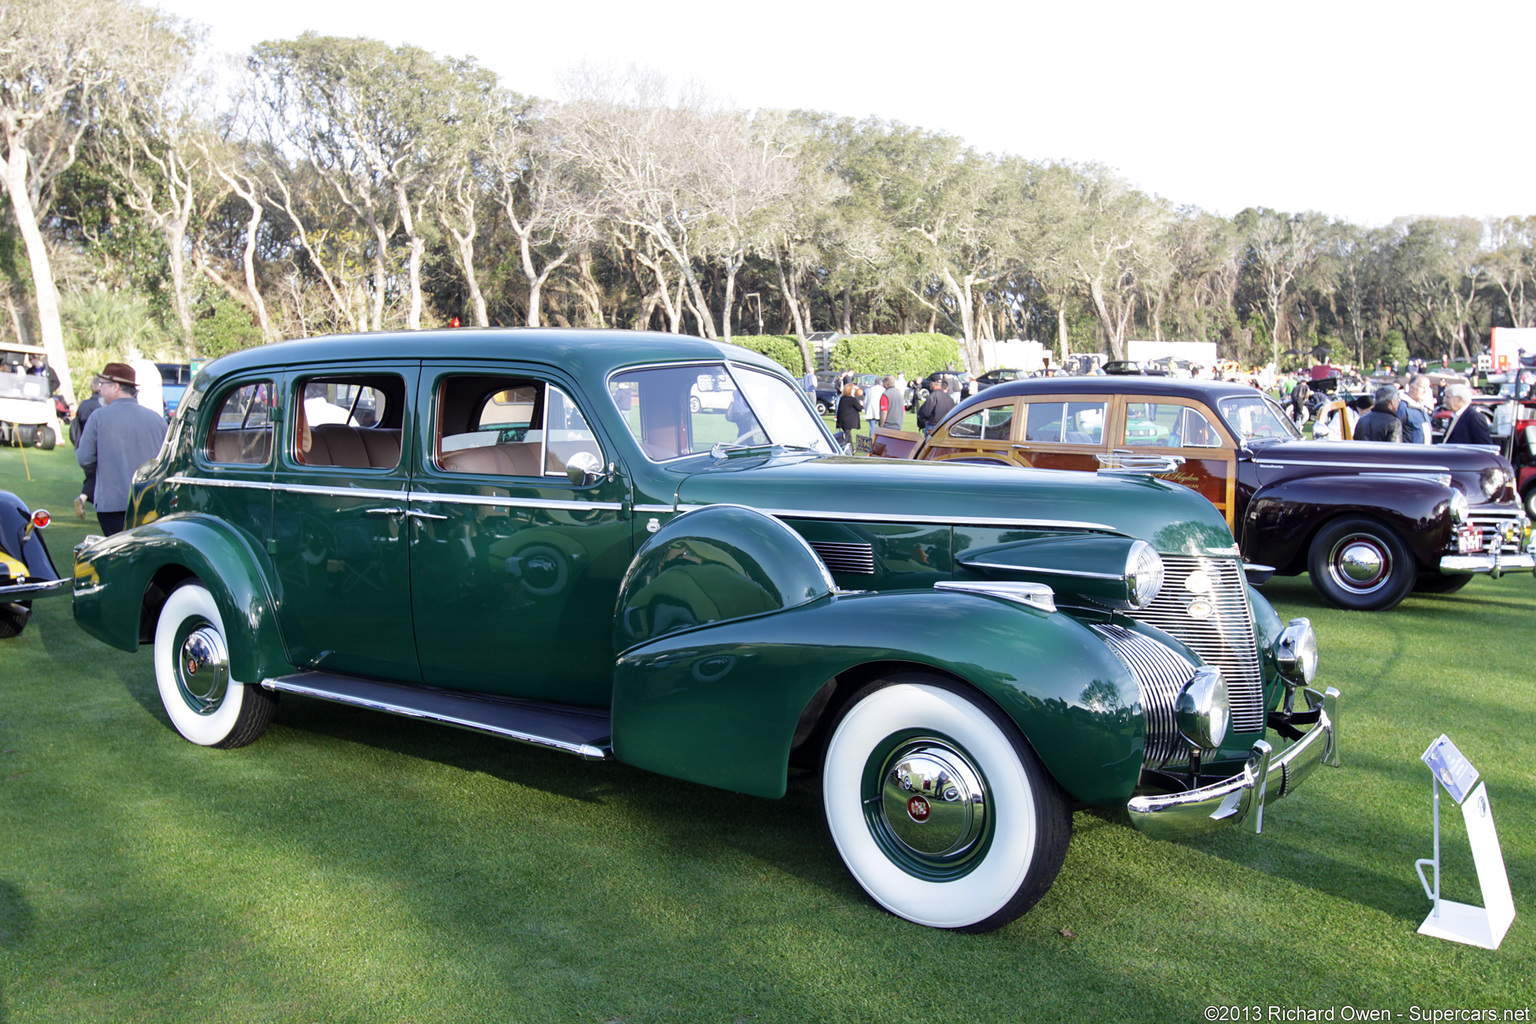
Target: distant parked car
(1368,522)
(992,377)
(174,378)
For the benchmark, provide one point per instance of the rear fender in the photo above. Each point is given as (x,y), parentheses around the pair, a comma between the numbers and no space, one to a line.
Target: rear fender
(719,704)
(1282,519)
(120,581)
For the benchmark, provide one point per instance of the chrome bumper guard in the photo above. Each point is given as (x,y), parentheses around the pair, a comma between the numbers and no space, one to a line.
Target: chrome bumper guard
(1266,776)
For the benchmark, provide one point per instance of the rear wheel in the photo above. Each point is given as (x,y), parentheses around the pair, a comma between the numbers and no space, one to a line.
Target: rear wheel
(939,808)
(44,438)
(1362,564)
(205,703)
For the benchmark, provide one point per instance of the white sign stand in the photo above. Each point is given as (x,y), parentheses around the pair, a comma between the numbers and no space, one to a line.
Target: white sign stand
(1483,926)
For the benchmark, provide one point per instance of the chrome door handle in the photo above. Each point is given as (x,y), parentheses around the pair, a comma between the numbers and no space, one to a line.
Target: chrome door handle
(418,514)
(383,511)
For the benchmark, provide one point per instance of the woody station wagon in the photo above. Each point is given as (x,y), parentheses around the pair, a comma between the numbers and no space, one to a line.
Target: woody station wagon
(1368,522)
(536,534)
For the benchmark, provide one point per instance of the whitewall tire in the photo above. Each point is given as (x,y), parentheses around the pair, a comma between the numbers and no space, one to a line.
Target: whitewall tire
(939,808)
(206,704)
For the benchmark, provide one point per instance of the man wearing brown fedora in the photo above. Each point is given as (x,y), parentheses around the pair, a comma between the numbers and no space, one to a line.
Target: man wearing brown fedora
(118,438)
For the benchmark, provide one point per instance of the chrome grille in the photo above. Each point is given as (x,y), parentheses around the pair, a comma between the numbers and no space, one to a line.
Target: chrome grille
(840,557)
(1497,522)
(1163,674)
(1225,639)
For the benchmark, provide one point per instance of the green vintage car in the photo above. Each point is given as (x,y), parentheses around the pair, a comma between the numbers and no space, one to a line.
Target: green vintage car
(533,533)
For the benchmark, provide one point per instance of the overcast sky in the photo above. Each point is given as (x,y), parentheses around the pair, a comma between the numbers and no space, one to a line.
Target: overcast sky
(1358,110)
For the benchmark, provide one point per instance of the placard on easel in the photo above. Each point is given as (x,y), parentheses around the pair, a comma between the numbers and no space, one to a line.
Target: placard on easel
(1483,926)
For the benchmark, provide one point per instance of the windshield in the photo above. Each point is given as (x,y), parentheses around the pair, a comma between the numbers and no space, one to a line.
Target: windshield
(1256,417)
(682,410)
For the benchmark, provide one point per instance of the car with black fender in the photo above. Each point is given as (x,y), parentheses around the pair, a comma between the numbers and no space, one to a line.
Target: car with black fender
(1369,522)
(535,535)
(27,571)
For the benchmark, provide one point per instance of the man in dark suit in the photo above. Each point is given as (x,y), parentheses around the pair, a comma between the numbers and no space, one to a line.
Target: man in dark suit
(1467,424)
(1381,423)
(937,407)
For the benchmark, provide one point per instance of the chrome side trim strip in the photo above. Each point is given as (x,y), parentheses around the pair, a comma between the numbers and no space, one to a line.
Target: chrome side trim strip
(373,494)
(507,502)
(1380,467)
(877,517)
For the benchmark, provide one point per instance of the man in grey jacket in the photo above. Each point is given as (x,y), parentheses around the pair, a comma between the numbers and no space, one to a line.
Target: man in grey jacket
(119,437)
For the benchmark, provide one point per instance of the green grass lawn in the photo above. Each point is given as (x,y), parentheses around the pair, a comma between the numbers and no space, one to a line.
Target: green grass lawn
(357,867)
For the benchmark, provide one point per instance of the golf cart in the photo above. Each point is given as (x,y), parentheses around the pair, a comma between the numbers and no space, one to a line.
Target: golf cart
(28,416)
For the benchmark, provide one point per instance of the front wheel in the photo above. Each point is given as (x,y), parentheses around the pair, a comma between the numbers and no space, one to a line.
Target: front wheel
(1361,564)
(205,703)
(939,808)
(1528,499)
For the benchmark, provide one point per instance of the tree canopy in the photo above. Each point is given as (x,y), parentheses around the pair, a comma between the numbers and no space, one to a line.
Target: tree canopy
(345,184)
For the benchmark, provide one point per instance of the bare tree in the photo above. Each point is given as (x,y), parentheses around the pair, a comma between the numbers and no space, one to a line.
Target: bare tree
(59,59)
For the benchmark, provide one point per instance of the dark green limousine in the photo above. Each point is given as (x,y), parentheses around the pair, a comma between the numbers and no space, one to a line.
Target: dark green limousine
(545,536)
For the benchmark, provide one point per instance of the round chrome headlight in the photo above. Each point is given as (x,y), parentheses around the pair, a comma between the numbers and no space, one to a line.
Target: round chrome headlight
(1296,652)
(1202,710)
(1492,480)
(1143,574)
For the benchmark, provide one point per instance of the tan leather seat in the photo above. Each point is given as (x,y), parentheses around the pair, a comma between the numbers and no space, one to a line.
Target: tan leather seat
(494,460)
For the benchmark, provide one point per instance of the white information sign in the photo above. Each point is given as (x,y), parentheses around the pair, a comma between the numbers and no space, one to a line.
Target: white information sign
(1483,926)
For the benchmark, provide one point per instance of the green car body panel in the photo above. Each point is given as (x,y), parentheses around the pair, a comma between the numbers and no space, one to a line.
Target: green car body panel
(532,521)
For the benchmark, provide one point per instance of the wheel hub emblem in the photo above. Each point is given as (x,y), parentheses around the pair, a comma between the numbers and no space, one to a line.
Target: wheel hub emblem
(918,809)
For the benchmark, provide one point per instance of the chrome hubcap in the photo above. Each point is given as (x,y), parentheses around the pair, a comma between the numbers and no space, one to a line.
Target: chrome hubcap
(1360,563)
(933,801)
(202,670)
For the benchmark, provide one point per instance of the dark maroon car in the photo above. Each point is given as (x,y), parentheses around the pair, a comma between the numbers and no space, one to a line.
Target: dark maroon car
(1370,522)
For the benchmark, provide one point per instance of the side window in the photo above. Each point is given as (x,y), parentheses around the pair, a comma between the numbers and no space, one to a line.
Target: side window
(351,420)
(1150,423)
(1193,430)
(1044,421)
(509,426)
(678,410)
(240,431)
(993,423)
(1084,423)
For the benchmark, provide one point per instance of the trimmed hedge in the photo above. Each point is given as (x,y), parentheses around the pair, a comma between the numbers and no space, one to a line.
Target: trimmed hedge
(907,356)
(783,349)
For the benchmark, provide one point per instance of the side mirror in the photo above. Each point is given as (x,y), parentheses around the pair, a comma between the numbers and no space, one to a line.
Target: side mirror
(583,469)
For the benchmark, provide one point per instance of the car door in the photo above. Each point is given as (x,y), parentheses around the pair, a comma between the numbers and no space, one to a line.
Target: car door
(1061,431)
(515,568)
(984,434)
(1181,427)
(339,520)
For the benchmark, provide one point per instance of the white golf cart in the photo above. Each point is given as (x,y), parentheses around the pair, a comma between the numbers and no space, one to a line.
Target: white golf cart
(28,417)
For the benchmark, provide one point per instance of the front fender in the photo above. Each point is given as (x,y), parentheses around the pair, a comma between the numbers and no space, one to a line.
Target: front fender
(719,704)
(1283,518)
(116,577)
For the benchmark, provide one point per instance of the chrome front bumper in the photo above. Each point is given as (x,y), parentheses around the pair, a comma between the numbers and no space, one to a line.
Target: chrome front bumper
(1266,776)
(1494,563)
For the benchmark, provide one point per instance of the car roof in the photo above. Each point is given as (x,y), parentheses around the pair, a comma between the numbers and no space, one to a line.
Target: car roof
(583,352)
(1207,391)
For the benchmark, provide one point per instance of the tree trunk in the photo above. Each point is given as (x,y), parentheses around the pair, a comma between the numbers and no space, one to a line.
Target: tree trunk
(47,295)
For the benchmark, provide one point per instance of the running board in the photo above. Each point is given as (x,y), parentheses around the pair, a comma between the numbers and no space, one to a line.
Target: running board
(581,731)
